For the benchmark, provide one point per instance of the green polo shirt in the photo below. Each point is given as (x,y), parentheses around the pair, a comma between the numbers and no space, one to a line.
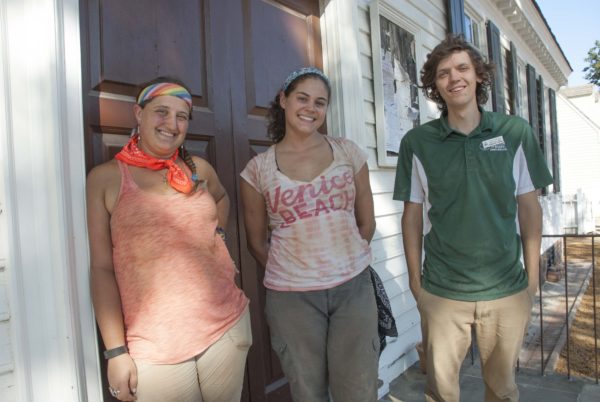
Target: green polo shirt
(468,185)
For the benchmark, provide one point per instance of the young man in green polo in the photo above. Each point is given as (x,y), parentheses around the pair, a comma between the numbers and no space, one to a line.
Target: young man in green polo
(468,181)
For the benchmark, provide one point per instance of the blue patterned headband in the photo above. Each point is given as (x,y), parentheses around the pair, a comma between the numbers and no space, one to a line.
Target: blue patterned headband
(300,72)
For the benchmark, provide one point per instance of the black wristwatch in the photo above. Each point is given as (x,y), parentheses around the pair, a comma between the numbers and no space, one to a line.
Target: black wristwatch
(114,352)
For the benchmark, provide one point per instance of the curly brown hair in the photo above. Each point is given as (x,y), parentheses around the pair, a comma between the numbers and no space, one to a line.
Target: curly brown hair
(276,114)
(452,44)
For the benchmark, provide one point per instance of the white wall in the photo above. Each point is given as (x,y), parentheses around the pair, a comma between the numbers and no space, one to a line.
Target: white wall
(388,252)
(48,348)
(7,363)
(552,218)
(579,145)
(588,103)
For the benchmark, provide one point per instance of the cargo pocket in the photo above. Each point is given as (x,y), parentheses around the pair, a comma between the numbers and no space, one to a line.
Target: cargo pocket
(376,345)
(279,346)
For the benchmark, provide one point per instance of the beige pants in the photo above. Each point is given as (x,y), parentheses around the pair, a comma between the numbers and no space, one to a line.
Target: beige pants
(217,375)
(500,326)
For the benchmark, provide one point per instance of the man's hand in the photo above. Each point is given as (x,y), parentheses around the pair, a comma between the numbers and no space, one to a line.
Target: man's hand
(412,237)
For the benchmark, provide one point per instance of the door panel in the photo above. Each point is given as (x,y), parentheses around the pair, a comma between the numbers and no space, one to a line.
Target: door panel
(268,47)
(272,38)
(140,40)
(233,55)
(279,37)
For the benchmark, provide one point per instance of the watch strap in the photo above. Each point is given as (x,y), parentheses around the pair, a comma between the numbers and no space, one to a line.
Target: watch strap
(114,352)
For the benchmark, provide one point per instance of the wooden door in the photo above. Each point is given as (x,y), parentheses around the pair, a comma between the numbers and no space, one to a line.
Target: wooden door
(233,54)
(270,39)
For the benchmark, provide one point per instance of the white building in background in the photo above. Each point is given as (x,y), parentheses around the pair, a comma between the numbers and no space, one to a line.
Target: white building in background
(579,127)
(48,344)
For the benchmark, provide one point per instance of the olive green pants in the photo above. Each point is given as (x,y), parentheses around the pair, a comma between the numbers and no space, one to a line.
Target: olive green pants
(327,341)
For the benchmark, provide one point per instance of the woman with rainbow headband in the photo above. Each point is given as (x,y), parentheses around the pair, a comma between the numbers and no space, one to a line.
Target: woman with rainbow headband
(175,325)
(311,192)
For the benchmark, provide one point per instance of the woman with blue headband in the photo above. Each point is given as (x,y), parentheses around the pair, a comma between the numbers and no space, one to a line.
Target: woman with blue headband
(175,325)
(309,218)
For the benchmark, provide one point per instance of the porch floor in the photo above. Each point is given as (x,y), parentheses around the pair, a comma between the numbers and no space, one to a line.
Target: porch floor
(533,387)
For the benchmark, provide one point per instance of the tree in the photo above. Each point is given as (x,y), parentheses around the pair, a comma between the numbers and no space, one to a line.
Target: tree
(592,71)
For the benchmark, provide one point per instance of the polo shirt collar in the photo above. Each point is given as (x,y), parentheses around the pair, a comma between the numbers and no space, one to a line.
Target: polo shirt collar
(486,124)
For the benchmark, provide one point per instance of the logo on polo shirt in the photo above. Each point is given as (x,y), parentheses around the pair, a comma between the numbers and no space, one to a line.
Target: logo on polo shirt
(493,144)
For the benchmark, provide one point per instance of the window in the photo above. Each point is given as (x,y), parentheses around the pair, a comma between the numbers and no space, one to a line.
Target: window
(520,95)
(472,31)
(522,92)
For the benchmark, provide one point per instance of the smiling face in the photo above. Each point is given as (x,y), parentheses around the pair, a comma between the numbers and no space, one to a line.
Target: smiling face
(456,81)
(305,106)
(163,124)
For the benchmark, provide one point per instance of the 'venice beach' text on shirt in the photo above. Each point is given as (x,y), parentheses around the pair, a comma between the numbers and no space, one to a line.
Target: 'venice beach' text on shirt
(312,199)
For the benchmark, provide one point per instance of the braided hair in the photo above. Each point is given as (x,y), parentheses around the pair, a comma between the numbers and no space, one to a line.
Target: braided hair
(187,159)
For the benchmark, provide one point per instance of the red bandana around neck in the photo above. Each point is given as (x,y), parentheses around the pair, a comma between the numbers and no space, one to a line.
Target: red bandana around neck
(131,154)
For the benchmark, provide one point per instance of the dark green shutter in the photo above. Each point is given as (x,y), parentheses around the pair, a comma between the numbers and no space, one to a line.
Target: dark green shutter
(541,115)
(532,100)
(542,122)
(515,102)
(456,16)
(493,35)
(554,141)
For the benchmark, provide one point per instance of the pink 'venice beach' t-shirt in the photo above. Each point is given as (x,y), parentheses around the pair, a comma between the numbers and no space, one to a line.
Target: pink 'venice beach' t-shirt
(315,242)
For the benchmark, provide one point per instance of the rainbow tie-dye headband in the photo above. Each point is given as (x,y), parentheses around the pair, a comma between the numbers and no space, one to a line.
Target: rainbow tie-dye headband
(164,88)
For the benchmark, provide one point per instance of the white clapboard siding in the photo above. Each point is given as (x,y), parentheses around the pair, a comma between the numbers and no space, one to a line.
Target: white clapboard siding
(382,181)
(397,288)
(391,268)
(400,297)
(399,354)
(7,387)
(385,205)
(579,147)
(388,252)
(7,379)
(6,358)
(387,226)
(384,249)
(7,363)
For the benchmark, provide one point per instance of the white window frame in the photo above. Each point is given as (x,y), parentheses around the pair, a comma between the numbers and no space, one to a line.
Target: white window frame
(477,22)
(522,77)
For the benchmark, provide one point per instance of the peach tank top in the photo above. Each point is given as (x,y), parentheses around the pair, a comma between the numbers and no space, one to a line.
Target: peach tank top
(174,273)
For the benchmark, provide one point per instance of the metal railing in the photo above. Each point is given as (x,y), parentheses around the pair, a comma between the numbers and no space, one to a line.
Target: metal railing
(569,307)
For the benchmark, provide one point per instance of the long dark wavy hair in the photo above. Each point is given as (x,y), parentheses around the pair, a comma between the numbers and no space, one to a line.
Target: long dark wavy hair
(276,114)
(452,44)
